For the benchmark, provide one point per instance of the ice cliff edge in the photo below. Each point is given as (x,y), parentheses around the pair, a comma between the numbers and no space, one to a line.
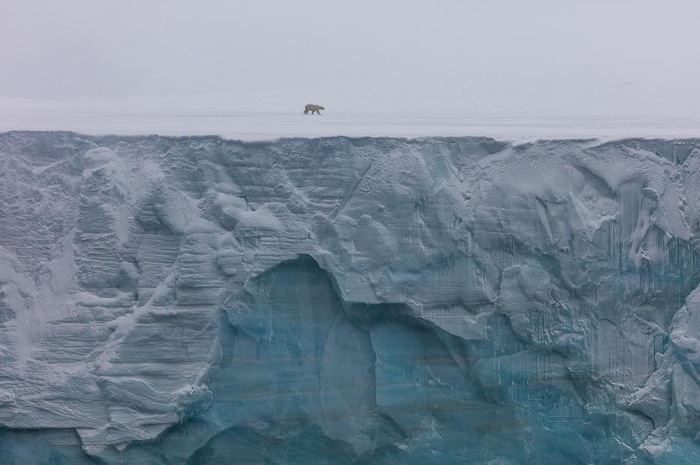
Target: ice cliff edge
(353,300)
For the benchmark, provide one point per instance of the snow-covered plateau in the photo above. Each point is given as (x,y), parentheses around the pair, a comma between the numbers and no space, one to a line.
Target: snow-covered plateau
(267,117)
(348,300)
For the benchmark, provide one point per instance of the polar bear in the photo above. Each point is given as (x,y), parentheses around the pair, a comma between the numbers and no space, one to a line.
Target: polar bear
(312,108)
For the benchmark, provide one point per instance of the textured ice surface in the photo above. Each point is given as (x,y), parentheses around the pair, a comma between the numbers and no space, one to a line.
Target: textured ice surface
(370,300)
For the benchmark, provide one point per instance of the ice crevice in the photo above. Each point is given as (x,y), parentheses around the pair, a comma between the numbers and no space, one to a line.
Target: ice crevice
(196,300)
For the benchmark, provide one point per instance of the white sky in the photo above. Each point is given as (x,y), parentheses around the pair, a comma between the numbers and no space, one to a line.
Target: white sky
(461,57)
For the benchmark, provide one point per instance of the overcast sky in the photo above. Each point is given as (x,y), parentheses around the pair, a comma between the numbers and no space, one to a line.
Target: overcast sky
(490,57)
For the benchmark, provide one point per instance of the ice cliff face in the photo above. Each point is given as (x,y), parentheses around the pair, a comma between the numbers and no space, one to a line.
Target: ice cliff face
(374,301)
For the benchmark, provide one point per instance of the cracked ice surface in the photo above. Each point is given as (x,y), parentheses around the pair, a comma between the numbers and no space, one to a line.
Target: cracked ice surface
(369,300)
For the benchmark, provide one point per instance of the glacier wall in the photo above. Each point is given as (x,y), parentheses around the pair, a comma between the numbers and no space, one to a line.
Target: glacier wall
(348,300)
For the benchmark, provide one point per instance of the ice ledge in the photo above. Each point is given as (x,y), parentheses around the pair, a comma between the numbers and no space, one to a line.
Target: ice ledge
(157,296)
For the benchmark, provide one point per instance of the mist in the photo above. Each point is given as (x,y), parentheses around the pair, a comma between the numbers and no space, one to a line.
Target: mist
(541,58)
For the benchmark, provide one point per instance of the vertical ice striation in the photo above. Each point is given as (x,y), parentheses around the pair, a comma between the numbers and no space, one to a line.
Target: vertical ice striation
(361,301)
